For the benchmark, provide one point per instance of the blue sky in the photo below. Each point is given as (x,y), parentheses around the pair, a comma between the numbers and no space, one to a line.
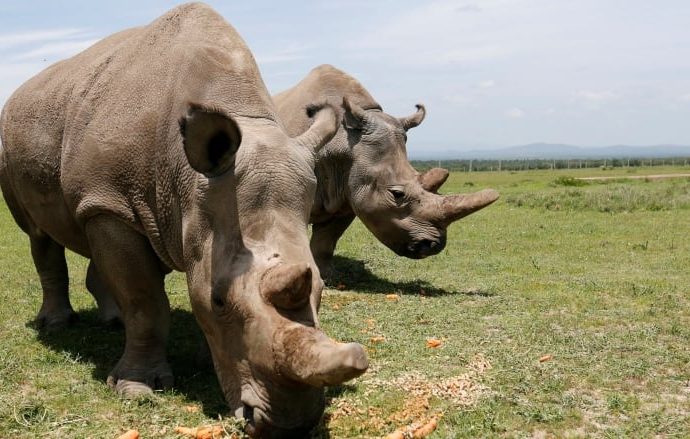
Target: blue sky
(491,73)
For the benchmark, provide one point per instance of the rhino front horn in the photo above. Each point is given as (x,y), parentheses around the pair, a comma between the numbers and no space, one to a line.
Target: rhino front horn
(287,286)
(458,206)
(314,359)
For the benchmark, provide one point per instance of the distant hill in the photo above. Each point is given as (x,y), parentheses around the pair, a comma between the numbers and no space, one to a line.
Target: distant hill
(560,151)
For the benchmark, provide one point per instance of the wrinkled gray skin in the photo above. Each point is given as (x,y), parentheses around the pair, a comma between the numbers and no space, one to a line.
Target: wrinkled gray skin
(363,171)
(159,149)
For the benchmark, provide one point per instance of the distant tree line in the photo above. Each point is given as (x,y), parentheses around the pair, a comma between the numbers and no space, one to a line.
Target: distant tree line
(478,165)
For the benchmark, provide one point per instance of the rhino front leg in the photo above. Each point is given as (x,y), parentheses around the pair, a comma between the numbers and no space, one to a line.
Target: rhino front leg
(324,238)
(130,269)
(49,259)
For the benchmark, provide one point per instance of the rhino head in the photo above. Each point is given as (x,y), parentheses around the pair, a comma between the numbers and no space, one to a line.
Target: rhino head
(255,289)
(400,206)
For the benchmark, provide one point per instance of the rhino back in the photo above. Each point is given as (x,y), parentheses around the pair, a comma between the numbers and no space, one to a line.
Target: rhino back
(105,122)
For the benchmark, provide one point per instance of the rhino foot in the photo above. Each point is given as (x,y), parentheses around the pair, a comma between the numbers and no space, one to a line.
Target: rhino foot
(50,321)
(132,383)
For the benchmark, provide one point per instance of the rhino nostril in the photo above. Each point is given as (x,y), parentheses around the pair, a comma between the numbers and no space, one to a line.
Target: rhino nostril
(426,244)
(248,412)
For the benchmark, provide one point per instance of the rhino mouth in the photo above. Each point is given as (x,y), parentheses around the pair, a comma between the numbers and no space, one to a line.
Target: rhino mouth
(265,420)
(423,248)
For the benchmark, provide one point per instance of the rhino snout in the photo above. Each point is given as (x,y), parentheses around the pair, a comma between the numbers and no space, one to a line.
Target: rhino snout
(261,425)
(423,248)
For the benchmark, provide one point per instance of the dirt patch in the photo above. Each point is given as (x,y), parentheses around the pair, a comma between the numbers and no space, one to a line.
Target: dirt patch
(462,391)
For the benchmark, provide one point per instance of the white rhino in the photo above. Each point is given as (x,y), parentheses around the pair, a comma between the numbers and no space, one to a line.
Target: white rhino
(159,149)
(364,171)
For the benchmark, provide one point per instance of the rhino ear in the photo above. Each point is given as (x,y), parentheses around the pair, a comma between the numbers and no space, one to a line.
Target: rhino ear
(355,117)
(322,129)
(210,140)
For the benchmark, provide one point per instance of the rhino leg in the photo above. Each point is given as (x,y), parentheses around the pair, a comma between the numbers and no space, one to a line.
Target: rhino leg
(324,238)
(130,269)
(49,259)
(107,307)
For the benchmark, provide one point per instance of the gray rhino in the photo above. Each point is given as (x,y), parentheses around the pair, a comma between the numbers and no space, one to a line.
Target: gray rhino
(159,149)
(363,171)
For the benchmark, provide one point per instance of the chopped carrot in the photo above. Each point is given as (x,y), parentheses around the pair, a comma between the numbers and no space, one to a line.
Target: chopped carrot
(392,297)
(433,342)
(377,339)
(129,434)
(426,429)
(397,434)
(213,432)
(545,358)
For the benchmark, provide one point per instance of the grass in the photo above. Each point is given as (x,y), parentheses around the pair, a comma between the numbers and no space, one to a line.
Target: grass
(601,284)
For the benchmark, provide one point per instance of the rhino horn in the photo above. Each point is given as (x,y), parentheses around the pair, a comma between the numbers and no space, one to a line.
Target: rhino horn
(414,120)
(322,129)
(454,207)
(433,179)
(310,357)
(287,286)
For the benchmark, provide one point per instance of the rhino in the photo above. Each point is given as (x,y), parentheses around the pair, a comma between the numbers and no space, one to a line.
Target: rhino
(159,148)
(364,172)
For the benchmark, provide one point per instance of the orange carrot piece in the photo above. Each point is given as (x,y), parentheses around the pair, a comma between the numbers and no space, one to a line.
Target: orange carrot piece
(129,434)
(433,343)
(426,429)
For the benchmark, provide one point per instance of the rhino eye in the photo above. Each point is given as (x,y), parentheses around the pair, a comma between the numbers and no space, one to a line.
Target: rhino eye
(397,194)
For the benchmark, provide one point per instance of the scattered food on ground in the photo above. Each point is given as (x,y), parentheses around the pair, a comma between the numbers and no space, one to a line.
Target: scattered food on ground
(433,343)
(129,434)
(208,432)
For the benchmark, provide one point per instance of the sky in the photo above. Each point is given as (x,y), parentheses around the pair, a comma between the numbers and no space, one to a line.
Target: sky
(492,73)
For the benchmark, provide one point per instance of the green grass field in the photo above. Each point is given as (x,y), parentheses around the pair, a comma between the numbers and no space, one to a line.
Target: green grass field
(592,278)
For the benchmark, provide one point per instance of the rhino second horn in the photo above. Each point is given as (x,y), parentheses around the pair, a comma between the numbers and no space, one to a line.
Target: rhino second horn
(458,206)
(433,179)
(314,359)
(287,286)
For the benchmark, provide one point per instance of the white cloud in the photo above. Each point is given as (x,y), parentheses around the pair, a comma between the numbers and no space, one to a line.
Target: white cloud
(292,52)
(515,113)
(596,96)
(437,33)
(58,50)
(470,54)
(487,83)
(458,98)
(11,40)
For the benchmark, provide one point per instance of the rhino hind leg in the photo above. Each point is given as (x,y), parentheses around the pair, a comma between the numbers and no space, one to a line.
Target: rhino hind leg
(107,307)
(130,269)
(324,238)
(49,259)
